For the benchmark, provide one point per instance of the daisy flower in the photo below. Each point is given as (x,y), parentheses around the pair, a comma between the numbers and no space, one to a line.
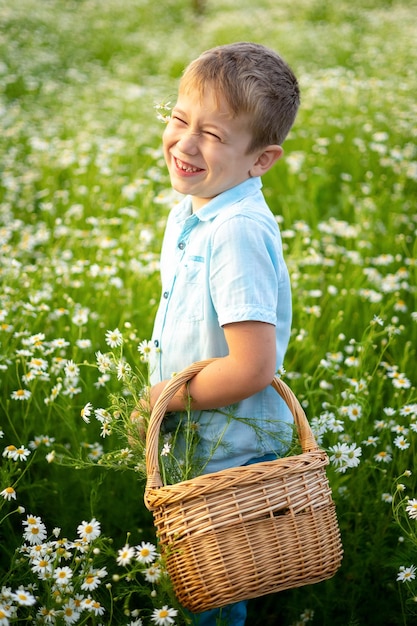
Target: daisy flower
(93,606)
(345,456)
(19,454)
(86,412)
(38,364)
(383,457)
(23,597)
(401,442)
(40,440)
(146,552)
(103,362)
(36,340)
(59,343)
(411,509)
(8,451)
(105,430)
(4,615)
(409,409)
(164,616)
(400,429)
(123,369)
(83,344)
(152,574)
(48,616)
(35,532)
(114,338)
(401,382)
(71,390)
(31,520)
(102,415)
(166,449)
(63,575)
(386,497)
(21,394)
(339,455)
(71,370)
(89,530)
(352,361)
(358,385)
(354,411)
(42,566)
(70,612)
(125,555)
(145,349)
(8,493)
(96,451)
(406,573)
(91,581)
(101,381)
(371,441)
(80,317)
(50,457)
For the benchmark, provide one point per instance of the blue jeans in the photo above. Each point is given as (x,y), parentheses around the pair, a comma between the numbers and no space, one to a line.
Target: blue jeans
(232,614)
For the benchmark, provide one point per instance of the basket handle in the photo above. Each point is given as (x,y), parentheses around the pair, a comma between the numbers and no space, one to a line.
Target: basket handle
(154,481)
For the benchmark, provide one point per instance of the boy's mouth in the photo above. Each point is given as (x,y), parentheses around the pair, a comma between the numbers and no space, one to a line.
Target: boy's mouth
(186,167)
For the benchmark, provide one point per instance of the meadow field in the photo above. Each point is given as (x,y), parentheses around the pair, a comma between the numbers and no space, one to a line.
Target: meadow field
(84,196)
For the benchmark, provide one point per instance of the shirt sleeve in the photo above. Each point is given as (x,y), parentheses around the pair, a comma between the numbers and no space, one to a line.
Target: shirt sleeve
(245,270)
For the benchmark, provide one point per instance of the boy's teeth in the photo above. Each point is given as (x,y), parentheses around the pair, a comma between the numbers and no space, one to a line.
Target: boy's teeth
(187,168)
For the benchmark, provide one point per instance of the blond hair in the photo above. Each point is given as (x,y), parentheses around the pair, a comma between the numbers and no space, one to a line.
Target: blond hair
(254,80)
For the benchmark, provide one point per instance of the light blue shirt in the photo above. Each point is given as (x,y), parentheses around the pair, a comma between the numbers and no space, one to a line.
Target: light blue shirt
(220,265)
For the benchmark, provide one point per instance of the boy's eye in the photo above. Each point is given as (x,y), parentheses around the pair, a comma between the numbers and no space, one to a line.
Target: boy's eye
(178,119)
(207,132)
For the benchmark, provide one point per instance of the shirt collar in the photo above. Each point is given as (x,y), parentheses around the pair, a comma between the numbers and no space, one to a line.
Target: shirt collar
(228,197)
(210,210)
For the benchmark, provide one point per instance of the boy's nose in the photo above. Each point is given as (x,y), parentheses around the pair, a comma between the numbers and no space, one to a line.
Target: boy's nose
(188,142)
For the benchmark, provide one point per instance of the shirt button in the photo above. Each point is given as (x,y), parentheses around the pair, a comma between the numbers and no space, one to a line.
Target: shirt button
(156,343)
(181,245)
(165,294)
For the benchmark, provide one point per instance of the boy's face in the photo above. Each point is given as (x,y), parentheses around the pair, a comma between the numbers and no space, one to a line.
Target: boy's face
(205,147)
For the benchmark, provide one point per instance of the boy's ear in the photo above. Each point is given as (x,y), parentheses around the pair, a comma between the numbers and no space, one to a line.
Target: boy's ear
(266,160)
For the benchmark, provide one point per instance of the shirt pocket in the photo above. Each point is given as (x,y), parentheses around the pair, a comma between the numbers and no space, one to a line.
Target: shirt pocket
(190,289)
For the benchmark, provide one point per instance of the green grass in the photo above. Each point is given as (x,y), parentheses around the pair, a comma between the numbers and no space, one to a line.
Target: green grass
(84,195)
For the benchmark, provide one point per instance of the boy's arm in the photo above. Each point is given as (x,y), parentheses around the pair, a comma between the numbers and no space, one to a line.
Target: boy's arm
(248,368)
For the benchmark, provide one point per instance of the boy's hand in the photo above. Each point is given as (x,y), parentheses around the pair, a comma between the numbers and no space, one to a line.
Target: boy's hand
(140,417)
(144,408)
(138,420)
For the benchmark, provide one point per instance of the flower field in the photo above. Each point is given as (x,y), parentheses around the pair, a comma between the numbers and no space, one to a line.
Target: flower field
(84,195)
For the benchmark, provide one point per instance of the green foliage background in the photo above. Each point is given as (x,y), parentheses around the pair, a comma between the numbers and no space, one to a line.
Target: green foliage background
(84,196)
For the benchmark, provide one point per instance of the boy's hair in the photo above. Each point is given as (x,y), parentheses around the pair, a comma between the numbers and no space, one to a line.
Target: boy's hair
(254,80)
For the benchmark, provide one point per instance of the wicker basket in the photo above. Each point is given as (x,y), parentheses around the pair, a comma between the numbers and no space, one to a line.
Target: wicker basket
(246,531)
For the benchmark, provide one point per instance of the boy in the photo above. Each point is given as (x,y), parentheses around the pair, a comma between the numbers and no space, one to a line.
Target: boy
(225,286)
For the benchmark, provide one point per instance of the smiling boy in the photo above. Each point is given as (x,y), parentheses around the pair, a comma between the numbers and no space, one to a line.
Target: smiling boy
(225,286)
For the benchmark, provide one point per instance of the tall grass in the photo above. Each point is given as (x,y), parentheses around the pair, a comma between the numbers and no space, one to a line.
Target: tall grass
(84,198)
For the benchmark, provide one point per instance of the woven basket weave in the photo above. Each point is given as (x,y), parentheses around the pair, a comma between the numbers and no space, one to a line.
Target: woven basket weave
(246,531)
